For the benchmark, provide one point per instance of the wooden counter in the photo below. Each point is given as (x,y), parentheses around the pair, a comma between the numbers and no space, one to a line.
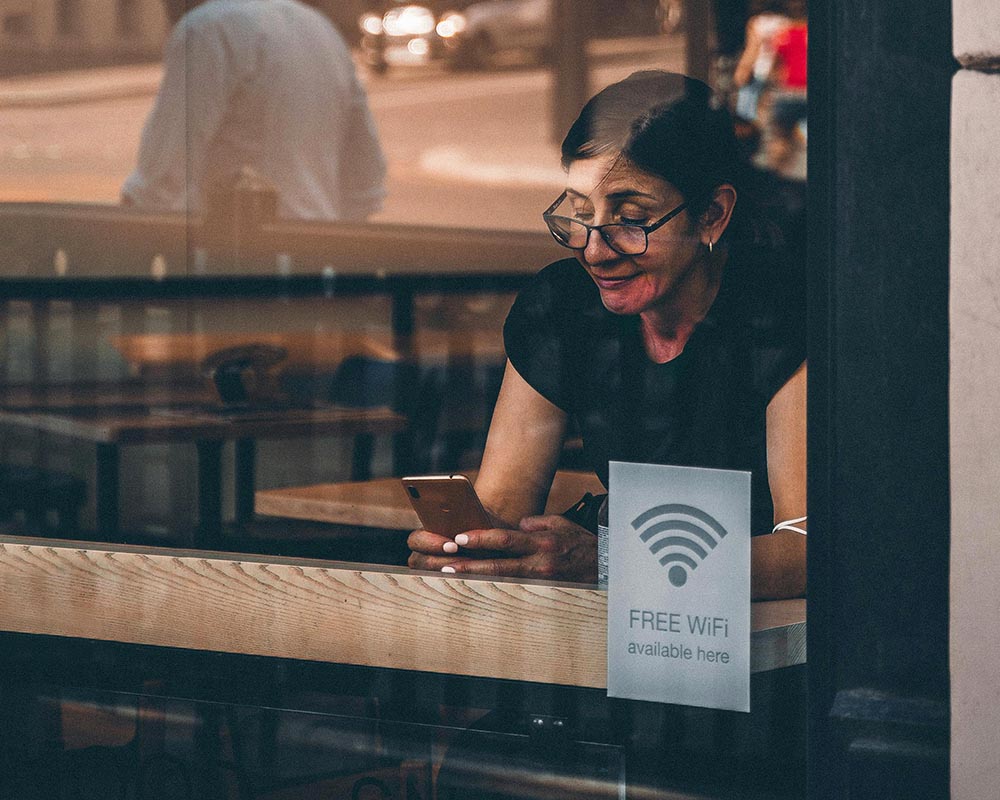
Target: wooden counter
(333,612)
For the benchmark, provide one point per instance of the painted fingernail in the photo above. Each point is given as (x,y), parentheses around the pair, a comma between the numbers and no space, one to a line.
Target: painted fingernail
(462,539)
(450,547)
(448,569)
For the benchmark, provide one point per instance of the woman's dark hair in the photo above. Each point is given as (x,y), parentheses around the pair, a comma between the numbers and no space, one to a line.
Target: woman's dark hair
(664,124)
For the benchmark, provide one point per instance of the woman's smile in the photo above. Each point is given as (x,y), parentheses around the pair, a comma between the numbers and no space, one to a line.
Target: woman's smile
(611,282)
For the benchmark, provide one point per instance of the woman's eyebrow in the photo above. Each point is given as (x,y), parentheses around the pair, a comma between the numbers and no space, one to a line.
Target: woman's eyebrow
(626,194)
(617,196)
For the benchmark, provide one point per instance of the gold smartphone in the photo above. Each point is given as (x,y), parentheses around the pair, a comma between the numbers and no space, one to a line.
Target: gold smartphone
(446,504)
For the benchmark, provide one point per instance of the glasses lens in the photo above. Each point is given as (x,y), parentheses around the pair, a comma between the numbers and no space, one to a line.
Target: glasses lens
(568,232)
(626,239)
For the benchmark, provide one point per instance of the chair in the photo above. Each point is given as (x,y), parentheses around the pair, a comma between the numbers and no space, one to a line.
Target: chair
(35,492)
(339,752)
(358,382)
(366,382)
(80,745)
(448,407)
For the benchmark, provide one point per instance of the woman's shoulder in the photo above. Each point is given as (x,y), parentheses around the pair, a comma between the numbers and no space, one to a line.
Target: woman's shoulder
(562,288)
(565,273)
(550,328)
(559,304)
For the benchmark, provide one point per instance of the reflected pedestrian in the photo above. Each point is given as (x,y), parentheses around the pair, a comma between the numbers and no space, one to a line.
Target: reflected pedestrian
(753,71)
(789,80)
(264,84)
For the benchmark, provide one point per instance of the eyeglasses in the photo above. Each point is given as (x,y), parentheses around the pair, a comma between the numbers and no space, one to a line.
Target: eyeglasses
(627,239)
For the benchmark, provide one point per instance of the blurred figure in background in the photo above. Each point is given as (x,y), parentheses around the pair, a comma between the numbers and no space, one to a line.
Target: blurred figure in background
(789,84)
(264,84)
(753,71)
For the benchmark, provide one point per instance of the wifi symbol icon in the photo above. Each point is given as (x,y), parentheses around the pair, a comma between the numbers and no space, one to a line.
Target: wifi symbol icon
(696,538)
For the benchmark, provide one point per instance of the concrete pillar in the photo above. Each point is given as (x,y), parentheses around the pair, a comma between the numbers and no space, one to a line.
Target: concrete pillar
(98,32)
(974,399)
(570,72)
(45,24)
(153,23)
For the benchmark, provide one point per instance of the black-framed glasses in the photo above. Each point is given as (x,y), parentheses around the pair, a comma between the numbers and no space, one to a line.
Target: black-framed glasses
(627,239)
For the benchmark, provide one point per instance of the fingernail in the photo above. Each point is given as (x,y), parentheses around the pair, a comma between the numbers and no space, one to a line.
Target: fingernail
(462,539)
(448,569)
(450,547)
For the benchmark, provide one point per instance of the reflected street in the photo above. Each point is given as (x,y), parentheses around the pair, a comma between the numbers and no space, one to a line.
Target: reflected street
(470,149)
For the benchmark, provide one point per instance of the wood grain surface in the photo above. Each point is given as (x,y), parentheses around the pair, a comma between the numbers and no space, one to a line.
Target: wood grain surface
(382,503)
(334,612)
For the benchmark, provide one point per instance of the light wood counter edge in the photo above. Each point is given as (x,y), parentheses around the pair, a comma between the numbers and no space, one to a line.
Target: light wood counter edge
(328,611)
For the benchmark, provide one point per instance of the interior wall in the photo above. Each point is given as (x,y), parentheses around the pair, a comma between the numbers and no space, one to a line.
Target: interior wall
(974,390)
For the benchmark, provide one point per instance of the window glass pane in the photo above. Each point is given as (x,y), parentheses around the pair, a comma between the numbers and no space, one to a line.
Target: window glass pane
(240,267)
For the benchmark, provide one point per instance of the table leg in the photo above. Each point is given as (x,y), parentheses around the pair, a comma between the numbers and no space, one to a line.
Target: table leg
(402,311)
(245,479)
(106,491)
(209,781)
(209,494)
(361,459)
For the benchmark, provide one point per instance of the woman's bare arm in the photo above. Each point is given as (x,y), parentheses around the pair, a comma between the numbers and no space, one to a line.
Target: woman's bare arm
(743,71)
(522,451)
(778,560)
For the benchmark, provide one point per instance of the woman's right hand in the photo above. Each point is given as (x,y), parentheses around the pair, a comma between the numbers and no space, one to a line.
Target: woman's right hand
(548,547)
(433,551)
(428,550)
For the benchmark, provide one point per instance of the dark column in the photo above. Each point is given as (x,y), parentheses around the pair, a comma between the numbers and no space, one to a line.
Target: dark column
(697,39)
(730,26)
(107,482)
(571,20)
(879,84)
(209,495)
(245,479)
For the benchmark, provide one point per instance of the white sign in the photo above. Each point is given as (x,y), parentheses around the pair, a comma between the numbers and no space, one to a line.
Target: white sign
(679,585)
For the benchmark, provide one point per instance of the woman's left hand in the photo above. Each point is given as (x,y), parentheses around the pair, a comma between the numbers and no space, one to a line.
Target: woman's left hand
(549,547)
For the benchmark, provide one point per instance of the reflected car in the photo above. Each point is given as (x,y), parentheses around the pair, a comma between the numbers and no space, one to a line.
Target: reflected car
(474,34)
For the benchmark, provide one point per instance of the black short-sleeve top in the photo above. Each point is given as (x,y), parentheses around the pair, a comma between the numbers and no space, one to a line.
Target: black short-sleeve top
(704,408)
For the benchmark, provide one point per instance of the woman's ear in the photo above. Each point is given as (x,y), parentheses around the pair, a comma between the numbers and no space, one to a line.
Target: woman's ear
(715,218)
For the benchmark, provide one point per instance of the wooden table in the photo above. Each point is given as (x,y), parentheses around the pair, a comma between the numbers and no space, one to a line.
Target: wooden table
(113,420)
(311,350)
(383,503)
(537,631)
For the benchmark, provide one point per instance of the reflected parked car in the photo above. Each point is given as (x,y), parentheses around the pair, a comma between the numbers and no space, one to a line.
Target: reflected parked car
(474,34)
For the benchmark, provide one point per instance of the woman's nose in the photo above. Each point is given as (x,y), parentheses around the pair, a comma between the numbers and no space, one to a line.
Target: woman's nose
(597,251)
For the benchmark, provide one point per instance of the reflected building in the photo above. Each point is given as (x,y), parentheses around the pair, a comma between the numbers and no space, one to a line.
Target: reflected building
(109,28)
(99,28)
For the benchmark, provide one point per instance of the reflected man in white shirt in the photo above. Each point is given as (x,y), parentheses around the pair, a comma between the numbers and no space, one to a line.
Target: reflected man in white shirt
(265,84)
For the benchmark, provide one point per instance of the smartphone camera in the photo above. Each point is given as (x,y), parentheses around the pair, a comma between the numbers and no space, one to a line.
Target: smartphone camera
(413,492)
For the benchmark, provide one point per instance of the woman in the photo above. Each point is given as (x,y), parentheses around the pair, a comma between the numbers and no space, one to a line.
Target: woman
(673,337)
